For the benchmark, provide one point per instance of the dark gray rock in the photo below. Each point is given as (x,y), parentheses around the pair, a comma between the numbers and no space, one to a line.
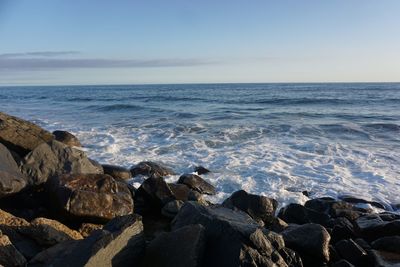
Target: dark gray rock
(11,178)
(342,228)
(21,136)
(296,213)
(291,258)
(387,243)
(197,183)
(201,170)
(342,263)
(260,208)
(172,208)
(89,197)
(372,227)
(385,259)
(310,240)
(53,159)
(120,243)
(183,247)
(149,169)
(233,238)
(352,252)
(184,193)
(67,138)
(327,205)
(355,200)
(9,255)
(117,172)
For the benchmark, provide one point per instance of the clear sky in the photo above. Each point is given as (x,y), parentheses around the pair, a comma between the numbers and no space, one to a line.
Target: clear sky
(187,41)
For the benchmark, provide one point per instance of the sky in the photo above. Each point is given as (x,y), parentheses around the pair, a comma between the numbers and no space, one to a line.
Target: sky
(54,42)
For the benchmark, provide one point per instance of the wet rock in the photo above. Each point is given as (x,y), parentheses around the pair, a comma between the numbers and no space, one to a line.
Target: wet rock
(90,197)
(233,238)
(276,224)
(54,159)
(152,195)
(355,200)
(352,252)
(49,232)
(11,178)
(342,263)
(291,258)
(167,249)
(172,208)
(372,227)
(21,136)
(385,259)
(120,243)
(149,169)
(117,172)
(388,243)
(260,208)
(310,240)
(67,138)
(296,213)
(197,183)
(9,255)
(327,205)
(342,229)
(184,193)
(388,216)
(87,228)
(201,170)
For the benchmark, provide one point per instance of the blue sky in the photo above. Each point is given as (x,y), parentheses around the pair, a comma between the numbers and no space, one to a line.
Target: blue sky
(118,42)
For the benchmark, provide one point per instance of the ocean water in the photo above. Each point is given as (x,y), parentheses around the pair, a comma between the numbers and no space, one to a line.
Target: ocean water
(271,139)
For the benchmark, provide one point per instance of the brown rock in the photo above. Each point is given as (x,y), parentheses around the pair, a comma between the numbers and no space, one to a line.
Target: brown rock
(67,138)
(149,169)
(197,183)
(117,172)
(87,228)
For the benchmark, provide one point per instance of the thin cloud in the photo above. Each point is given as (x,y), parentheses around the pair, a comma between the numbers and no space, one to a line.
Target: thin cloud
(39,54)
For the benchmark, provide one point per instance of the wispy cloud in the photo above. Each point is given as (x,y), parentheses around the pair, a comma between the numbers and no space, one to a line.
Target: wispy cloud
(59,60)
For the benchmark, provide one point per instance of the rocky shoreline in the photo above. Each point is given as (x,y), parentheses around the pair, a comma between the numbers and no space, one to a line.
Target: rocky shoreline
(60,208)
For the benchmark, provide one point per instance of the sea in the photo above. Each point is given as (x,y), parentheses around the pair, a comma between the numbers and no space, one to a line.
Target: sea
(277,140)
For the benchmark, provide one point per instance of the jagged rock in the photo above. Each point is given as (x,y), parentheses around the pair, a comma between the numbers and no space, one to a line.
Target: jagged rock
(49,232)
(117,172)
(389,216)
(184,193)
(352,252)
(54,159)
(197,183)
(233,238)
(11,178)
(342,229)
(260,208)
(310,240)
(296,213)
(149,169)
(87,228)
(372,227)
(387,243)
(67,138)
(291,258)
(120,243)
(167,249)
(21,136)
(172,208)
(90,197)
(9,255)
(201,170)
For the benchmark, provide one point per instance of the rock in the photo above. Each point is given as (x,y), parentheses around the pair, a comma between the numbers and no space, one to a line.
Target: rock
(120,243)
(21,136)
(342,229)
(149,169)
(372,227)
(388,243)
(388,216)
(291,258)
(260,208)
(53,159)
(385,259)
(184,193)
(87,228)
(67,138)
(197,183)
(355,200)
(117,172)
(49,232)
(183,247)
(9,255)
(172,208)
(11,179)
(352,252)
(277,225)
(90,197)
(342,263)
(201,170)
(233,238)
(296,213)
(310,240)
(327,205)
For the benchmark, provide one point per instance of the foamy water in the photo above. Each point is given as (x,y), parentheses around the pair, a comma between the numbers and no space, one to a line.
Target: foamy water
(271,139)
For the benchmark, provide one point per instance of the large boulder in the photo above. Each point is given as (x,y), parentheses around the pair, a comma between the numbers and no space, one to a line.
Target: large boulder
(149,168)
(9,255)
(67,138)
(117,172)
(11,178)
(233,238)
(54,159)
(184,193)
(183,247)
(372,227)
(296,213)
(310,240)
(387,243)
(21,136)
(260,208)
(120,243)
(197,183)
(90,197)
